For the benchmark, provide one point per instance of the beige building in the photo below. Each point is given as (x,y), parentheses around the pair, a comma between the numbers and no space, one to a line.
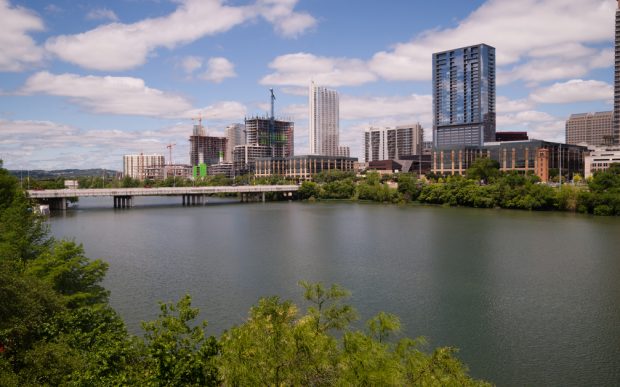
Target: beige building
(590,128)
(143,166)
(600,158)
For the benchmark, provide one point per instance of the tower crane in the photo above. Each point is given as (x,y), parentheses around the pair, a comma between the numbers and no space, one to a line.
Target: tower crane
(170,146)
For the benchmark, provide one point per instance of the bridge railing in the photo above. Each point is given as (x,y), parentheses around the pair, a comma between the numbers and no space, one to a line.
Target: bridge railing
(163,191)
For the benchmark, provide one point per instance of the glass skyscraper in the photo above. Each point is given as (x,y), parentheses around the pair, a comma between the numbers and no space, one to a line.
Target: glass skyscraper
(616,122)
(464,96)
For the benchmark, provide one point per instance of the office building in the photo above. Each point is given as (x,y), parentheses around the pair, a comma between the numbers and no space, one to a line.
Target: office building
(616,122)
(590,128)
(393,143)
(464,96)
(143,167)
(205,149)
(302,167)
(235,134)
(244,157)
(600,158)
(536,156)
(324,121)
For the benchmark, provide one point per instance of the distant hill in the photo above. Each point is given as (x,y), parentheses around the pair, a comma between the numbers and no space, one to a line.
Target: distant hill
(66,173)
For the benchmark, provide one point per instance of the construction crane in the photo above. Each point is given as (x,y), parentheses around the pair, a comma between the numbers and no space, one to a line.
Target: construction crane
(170,146)
(201,130)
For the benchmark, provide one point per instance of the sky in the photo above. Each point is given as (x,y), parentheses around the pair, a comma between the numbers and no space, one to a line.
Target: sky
(84,82)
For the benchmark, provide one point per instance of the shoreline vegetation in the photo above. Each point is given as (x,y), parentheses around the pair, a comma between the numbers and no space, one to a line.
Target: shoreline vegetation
(483,186)
(57,328)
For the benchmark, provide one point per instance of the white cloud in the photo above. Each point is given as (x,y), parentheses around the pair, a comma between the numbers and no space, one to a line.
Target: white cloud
(18,51)
(300,68)
(575,90)
(62,146)
(191,64)
(101,14)
(515,29)
(218,69)
(111,95)
(356,108)
(124,96)
(220,111)
(125,46)
(287,22)
(506,105)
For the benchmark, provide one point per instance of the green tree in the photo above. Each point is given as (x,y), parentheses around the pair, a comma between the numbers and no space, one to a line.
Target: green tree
(309,189)
(65,268)
(177,353)
(484,169)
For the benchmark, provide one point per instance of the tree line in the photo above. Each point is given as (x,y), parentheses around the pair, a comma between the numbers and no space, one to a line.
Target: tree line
(57,328)
(483,186)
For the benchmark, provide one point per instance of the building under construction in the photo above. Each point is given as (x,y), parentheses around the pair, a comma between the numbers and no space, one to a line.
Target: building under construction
(264,137)
(205,149)
(276,134)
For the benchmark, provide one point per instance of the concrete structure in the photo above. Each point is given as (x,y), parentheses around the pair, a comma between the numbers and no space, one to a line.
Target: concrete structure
(226,169)
(123,197)
(464,96)
(590,128)
(71,184)
(393,143)
(244,157)
(302,167)
(182,171)
(143,166)
(235,133)
(534,156)
(600,158)
(323,121)
(206,149)
(343,151)
(280,137)
(616,122)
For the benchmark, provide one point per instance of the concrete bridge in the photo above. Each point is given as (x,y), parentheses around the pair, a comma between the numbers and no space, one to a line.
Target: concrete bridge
(123,197)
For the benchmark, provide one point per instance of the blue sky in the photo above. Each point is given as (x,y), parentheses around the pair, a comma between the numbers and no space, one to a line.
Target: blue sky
(84,82)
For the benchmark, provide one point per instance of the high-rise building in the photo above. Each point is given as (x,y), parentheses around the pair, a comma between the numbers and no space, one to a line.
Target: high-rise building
(590,128)
(324,121)
(616,122)
(205,149)
(277,134)
(464,96)
(235,134)
(393,143)
(143,166)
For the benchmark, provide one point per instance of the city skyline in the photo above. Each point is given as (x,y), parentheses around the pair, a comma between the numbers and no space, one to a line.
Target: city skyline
(81,85)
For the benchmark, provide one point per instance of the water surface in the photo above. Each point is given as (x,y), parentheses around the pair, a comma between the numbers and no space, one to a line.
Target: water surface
(528,298)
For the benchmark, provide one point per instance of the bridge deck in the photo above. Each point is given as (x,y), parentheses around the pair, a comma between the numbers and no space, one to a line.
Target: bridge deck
(165,191)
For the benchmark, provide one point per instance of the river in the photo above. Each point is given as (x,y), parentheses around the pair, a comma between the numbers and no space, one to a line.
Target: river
(529,298)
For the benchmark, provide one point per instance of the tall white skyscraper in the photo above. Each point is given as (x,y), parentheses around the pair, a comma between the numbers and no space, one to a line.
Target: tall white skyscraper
(324,118)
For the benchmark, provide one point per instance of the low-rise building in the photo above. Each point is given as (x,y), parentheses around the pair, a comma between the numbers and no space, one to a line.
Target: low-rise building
(302,167)
(600,158)
(536,156)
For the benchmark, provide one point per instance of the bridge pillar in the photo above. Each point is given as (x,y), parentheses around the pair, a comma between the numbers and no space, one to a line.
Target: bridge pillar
(123,201)
(58,204)
(263,197)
